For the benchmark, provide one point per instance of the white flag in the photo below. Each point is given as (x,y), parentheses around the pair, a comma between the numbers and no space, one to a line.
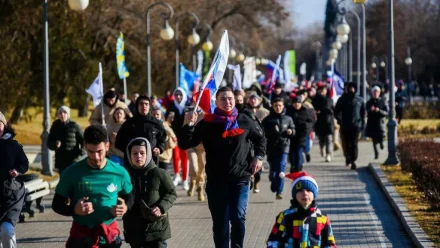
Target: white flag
(249,72)
(236,84)
(199,62)
(303,69)
(95,90)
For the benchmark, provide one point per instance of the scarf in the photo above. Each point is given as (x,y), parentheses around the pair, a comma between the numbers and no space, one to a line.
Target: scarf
(229,119)
(180,106)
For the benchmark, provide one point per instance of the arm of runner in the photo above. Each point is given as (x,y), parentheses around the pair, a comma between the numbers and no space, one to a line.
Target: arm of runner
(60,206)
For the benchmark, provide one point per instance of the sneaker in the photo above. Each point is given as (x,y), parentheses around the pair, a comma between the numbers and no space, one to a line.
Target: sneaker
(185,185)
(279,197)
(256,189)
(308,157)
(353,166)
(328,158)
(177,179)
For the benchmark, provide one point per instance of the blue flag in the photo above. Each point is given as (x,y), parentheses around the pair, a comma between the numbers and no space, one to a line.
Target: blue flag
(187,79)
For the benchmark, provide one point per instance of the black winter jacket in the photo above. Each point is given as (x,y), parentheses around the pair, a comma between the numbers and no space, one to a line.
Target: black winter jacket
(72,143)
(141,126)
(179,118)
(376,120)
(153,186)
(12,191)
(275,128)
(303,119)
(227,159)
(350,112)
(324,108)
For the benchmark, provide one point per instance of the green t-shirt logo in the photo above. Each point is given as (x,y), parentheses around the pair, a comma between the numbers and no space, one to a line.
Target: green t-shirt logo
(84,187)
(112,188)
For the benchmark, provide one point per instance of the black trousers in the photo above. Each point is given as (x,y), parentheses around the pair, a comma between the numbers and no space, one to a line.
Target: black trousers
(351,137)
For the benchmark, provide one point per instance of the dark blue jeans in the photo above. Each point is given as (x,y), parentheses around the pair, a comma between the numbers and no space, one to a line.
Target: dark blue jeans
(228,204)
(308,144)
(296,158)
(277,164)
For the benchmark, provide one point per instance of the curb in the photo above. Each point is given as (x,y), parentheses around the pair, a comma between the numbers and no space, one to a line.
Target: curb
(417,235)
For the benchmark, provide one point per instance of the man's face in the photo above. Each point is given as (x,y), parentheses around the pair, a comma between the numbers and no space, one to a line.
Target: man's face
(375,94)
(144,107)
(225,101)
(134,97)
(278,107)
(239,99)
(277,90)
(96,154)
(352,89)
(157,114)
(63,116)
(178,96)
(305,197)
(138,156)
(297,105)
(254,102)
(111,101)
(323,91)
(2,128)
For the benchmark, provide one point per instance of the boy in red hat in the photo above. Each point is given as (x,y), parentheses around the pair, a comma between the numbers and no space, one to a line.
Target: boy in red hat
(303,224)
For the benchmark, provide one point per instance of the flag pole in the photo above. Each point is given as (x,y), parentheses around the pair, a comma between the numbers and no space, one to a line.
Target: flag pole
(125,90)
(102,94)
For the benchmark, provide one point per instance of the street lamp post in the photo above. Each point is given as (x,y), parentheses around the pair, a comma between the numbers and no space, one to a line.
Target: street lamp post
(166,33)
(384,65)
(318,60)
(46,158)
(364,58)
(193,40)
(392,124)
(375,66)
(358,64)
(408,62)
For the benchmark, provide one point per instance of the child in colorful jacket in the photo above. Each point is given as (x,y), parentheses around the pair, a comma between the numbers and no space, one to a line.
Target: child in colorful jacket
(302,225)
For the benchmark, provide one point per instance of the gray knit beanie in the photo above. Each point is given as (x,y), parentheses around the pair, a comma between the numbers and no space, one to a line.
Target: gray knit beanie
(65,109)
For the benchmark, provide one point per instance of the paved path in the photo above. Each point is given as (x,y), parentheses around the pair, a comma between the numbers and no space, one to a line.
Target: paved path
(359,212)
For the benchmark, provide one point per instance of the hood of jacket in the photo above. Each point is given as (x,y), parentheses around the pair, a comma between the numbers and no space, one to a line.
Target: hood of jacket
(149,153)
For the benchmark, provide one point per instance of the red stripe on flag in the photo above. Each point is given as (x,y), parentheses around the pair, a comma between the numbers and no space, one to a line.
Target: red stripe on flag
(205,101)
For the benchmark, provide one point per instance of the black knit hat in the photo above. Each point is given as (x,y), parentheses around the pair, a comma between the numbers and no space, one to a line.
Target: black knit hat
(110,94)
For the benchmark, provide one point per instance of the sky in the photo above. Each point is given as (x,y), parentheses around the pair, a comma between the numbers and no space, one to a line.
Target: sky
(307,12)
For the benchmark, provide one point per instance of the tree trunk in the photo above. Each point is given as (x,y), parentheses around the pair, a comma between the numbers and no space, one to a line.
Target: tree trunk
(17,113)
(83,111)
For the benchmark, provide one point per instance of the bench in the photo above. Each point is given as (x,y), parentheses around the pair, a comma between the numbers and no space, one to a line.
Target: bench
(35,190)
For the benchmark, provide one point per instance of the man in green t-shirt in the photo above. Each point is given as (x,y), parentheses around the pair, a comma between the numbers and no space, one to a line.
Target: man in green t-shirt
(94,191)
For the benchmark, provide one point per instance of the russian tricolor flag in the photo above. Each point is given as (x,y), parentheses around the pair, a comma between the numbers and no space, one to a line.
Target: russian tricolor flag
(206,96)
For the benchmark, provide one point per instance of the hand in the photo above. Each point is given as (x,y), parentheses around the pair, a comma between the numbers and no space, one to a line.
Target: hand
(317,112)
(120,209)
(191,118)
(156,211)
(156,151)
(289,131)
(377,109)
(58,144)
(372,108)
(13,173)
(256,165)
(83,207)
